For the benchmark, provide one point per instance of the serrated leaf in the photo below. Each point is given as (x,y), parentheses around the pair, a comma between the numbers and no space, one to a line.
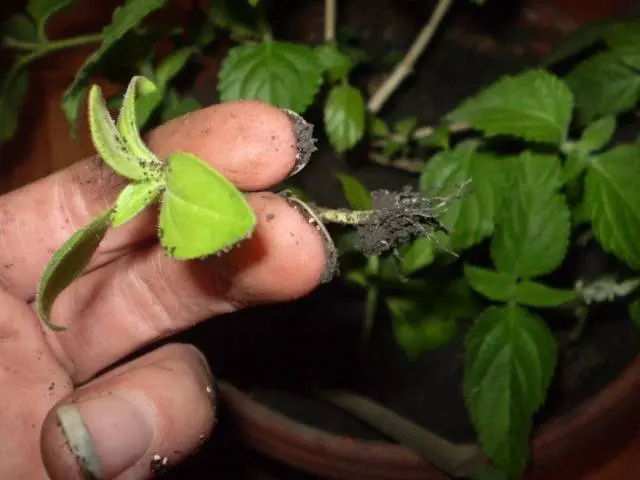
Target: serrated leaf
(286,75)
(334,63)
(133,199)
(532,235)
(534,105)
(125,18)
(128,125)
(417,255)
(471,218)
(344,117)
(603,85)
(496,286)
(510,361)
(612,201)
(634,312)
(68,263)
(108,142)
(202,212)
(535,294)
(12,91)
(42,10)
(19,28)
(357,194)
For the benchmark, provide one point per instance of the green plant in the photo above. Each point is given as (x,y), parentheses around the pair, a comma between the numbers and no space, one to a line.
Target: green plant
(561,186)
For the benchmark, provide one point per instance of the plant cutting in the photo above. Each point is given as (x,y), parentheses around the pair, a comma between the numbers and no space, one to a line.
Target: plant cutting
(512,182)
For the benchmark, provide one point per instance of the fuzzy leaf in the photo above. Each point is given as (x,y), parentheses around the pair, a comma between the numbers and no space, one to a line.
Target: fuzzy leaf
(538,295)
(604,85)
(12,91)
(532,235)
(125,19)
(286,75)
(108,142)
(496,286)
(510,361)
(357,194)
(417,255)
(344,117)
(534,105)
(68,263)
(471,218)
(133,199)
(335,64)
(202,212)
(612,201)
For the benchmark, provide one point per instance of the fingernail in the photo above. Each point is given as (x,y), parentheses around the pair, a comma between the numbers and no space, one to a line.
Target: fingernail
(305,143)
(107,434)
(330,251)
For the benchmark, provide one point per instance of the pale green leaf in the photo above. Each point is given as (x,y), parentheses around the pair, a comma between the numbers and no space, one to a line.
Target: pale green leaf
(42,10)
(335,64)
(598,134)
(133,199)
(108,142)
(12,91)
(357,194)
(538,295)
(534,105)
(128,126)
(532,235)
(202,212)
(510,361)
(68,263)
(344,117)
(634,312)
(417,255)
(471,218)
(604,85)
(286,75)
(612,201)
(496,286)
(125,19)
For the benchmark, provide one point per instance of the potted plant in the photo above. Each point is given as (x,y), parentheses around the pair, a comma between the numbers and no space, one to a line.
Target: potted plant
(516,242)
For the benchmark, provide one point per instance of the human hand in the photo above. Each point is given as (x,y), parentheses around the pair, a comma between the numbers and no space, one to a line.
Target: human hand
(59,417)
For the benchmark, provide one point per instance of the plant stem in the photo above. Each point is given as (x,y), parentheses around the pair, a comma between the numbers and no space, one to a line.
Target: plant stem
(342,216)
(404,68)
(329,20)
(48,47)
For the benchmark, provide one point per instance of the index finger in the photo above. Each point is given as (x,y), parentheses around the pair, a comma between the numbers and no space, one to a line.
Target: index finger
(253,144)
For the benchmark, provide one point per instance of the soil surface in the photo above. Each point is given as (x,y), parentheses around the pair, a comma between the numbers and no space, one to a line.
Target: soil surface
(276,350)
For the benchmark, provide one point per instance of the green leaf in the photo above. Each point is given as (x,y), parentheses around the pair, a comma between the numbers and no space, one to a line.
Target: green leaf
(612,201)
(416,329)
(12,91)
(357,194)
(575,164)
(471,218)
(107,140)
(417,255)
(175,106)
(405,127)
(125,19)
(634,312)
(496,286)
(534,105)
(42,10)
(538,295)
(202,212)
(344,117)
(133,199)
(510,361)
(578,40)
(171,65)
(286,75)
(624,39)
(532,235)
(19,28)
(377,127)
(598,134)
(335,64)
(68,263)
(603,85)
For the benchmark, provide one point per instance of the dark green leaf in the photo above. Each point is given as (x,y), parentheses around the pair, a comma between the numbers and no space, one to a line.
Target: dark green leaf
(42,10)
(240,18)
(510,361)
(334,63)
(357,194)
(12,92)
(171,66)
(417,255)
(286,75)
(496,286)
(68,263)
(538,295)
(471,218)
(534,105)
(175,106)
(624,39)
(580,39)
(377,127)
(405,127)
(19,28)
(125,18)
(604,85)
(634,312)
(612,201)
(344,117)
(532,235)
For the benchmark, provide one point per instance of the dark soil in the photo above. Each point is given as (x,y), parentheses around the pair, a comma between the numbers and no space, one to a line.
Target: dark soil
(276,350)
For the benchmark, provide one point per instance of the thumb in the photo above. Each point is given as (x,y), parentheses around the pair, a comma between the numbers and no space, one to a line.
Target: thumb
(135,421)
